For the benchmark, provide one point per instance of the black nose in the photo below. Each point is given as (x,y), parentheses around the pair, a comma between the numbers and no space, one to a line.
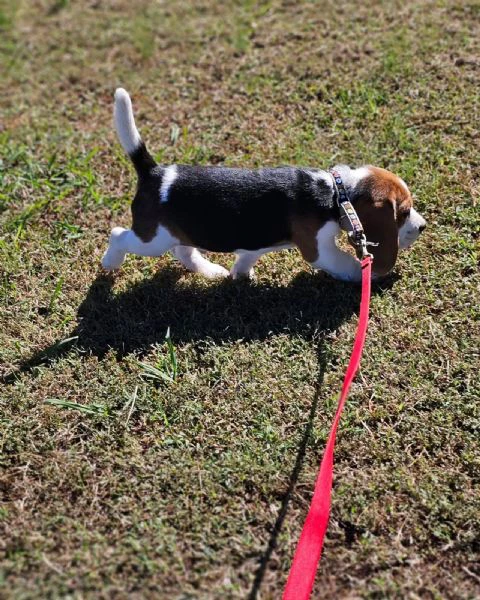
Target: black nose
(421,228)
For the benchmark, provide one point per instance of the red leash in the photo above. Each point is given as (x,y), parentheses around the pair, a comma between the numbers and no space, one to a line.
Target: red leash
(309,548)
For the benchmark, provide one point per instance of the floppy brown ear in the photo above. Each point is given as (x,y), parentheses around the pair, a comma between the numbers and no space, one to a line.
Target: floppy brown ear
(379,223)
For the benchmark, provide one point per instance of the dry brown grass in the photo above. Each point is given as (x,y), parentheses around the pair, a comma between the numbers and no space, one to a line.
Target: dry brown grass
(197,488)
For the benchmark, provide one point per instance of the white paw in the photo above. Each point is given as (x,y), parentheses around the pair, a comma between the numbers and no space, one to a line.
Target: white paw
(116,233)
(351,274)
(213,271)
(114,256)
(350,277)
(112,260)
(236,274)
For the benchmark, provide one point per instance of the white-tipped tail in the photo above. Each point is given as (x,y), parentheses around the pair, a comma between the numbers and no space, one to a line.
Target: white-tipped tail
(125,123)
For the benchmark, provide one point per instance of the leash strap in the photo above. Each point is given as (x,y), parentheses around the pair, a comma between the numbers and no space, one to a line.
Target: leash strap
(309,549)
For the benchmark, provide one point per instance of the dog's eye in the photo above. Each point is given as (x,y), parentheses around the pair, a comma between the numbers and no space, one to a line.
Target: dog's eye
(403,215)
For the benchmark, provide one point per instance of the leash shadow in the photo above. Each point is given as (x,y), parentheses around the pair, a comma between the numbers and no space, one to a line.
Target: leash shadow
(292,482)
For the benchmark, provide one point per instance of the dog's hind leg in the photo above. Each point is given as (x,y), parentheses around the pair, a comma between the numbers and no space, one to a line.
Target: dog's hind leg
(192,259)
(243,266)
(123,241)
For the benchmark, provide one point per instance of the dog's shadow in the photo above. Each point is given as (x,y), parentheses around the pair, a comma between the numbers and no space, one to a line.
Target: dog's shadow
(136,319)
(131,321)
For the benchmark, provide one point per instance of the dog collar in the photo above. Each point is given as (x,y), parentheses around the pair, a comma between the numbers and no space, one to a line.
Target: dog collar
(342,194)
(349,220)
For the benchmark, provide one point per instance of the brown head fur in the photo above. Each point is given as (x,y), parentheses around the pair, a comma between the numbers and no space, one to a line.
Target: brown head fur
(382,203)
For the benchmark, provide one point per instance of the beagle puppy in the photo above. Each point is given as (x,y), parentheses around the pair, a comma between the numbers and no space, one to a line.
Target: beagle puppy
(249,212)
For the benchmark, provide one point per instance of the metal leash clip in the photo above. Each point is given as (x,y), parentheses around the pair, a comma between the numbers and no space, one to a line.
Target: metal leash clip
(350,223)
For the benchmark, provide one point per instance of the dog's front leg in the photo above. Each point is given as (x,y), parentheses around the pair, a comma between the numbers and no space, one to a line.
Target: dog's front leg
(332,259)
(116,251)
(243,266)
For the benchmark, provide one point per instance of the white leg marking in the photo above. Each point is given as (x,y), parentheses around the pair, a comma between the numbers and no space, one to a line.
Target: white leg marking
(115,254)
(332,259)
(124,240)
(243,266)
(194,261)
(169,177)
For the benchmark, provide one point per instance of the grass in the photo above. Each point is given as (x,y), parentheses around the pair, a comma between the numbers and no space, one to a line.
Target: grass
(135,465)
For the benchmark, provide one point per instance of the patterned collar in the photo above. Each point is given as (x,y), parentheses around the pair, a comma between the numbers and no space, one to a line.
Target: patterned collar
(342,194)
(349,220)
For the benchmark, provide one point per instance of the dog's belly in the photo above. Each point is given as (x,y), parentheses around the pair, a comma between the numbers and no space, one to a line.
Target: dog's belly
(231,240)
(263,250)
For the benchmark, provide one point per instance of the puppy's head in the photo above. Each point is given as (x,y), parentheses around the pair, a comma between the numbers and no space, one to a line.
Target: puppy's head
(385,207)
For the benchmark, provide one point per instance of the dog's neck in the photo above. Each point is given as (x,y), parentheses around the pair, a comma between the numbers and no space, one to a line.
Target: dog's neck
(351,177)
